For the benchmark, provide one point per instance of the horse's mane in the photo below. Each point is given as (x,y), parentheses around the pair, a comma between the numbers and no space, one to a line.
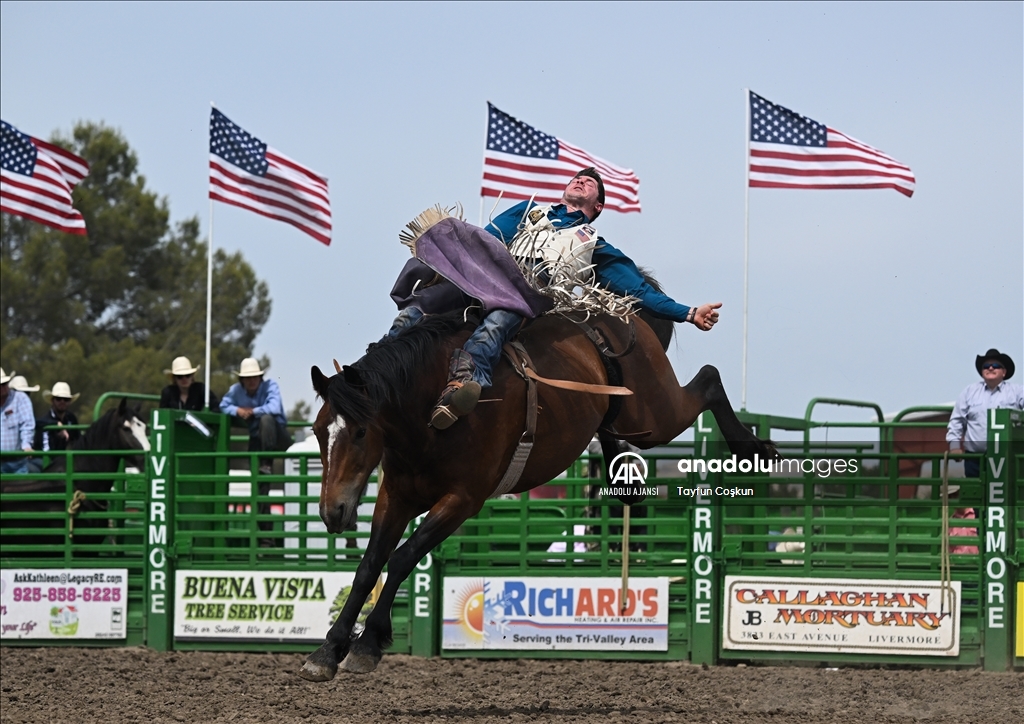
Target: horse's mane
(96,434)
(388,367)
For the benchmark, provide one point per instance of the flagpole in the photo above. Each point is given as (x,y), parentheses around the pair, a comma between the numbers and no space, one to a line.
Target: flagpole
(746,245)
(483,165)
(209,297)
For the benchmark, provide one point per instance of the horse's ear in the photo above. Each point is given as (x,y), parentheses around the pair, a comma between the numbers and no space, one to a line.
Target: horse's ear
(337,367)
(352,376)
(122,407)
(320,382)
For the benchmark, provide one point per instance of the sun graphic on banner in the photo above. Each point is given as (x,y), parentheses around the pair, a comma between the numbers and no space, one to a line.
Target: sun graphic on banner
(470,610)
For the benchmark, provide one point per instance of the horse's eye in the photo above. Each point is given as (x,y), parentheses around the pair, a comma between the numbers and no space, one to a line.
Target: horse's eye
(360,433)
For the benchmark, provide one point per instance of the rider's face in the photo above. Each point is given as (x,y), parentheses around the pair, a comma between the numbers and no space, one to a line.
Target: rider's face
(581,193)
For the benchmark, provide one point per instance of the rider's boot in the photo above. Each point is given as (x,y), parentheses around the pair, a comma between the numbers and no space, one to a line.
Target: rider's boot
(460,395)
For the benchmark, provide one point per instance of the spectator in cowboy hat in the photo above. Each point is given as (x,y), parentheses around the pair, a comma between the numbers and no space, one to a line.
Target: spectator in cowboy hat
(184,393)
(968,428)
(256,403)
(58,415)
(20,384)
(17,425)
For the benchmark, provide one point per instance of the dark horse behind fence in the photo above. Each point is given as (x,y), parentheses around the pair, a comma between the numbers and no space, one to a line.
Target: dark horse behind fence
(377,411)
(119,430)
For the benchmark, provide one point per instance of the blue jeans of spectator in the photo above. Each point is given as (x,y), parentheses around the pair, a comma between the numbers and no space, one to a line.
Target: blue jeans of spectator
(485,344)
(11,467)
(972,468)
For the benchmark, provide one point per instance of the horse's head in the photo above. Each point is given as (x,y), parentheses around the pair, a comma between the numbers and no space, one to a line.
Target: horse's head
(351,446)
(130,431)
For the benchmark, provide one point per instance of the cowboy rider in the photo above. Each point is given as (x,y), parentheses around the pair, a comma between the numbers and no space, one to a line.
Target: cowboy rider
(582,202)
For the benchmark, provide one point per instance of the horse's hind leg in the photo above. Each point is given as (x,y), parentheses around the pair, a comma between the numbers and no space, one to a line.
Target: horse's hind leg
(442,520)
(389,522)
(669,410)
(707,388)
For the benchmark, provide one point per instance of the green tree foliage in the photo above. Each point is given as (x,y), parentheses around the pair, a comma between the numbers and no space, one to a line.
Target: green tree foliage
(111,310)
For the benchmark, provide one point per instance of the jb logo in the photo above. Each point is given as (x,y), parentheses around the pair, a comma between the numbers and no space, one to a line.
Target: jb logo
(753,618)
(628,468)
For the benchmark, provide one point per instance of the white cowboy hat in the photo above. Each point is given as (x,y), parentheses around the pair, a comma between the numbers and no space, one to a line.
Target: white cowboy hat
(4,377)
(61,389)
(250,367)
(20,384)
(181,366)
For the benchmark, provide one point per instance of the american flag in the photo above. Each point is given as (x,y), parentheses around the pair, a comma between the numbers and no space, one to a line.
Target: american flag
(246,172)
(521,162)
(790,151)
(36,179)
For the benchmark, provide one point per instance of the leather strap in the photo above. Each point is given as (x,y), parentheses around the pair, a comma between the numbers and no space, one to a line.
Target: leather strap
(521,363)
(579,386)
(627,436)
(598,339)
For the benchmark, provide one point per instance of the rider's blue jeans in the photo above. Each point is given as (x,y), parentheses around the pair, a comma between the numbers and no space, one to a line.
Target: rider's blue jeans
(485,344)
(405,319)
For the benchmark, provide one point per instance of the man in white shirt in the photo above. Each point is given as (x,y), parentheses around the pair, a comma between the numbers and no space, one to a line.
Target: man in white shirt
(968,427)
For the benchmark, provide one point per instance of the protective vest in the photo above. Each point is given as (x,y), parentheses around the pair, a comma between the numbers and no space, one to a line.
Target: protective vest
(554,248)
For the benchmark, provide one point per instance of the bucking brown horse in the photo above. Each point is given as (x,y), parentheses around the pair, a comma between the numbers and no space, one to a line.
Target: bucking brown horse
(377,410)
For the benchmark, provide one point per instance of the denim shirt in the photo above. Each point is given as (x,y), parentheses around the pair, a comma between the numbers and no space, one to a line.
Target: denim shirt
(613,269)
(266,401)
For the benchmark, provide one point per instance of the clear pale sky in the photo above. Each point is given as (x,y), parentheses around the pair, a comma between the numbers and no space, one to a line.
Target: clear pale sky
(854,294)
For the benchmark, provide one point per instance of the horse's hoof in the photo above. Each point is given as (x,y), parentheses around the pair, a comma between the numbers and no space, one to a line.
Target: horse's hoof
(360,663)
(317,672)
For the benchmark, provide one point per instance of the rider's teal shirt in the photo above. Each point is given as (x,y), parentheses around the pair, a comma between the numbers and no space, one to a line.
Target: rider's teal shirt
(614,270)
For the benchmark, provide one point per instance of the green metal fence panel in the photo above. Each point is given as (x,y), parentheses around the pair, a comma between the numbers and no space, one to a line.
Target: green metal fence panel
(232,525)
(202,515)
(1002,566)
(38,533)
(860,525)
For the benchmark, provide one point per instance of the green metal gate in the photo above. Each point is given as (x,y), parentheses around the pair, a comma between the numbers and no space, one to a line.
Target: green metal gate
(225,516)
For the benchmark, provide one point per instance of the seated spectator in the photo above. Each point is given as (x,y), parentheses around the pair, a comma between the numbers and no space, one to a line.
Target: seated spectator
(256,403)
(17,425)
(60,398)
(184,393)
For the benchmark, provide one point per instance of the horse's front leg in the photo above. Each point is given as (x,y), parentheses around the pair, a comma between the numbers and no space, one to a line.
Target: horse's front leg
(443,519)
(389,522)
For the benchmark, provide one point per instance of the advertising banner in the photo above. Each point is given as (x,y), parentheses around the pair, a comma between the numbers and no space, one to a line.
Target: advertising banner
(555,614)
(260,605)
(842,616)
(63,603)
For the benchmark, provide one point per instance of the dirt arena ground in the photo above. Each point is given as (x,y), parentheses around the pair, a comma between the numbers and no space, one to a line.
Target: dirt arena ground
(138,685)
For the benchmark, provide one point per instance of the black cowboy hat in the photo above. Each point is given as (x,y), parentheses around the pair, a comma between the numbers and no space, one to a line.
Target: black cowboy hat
(995,354)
